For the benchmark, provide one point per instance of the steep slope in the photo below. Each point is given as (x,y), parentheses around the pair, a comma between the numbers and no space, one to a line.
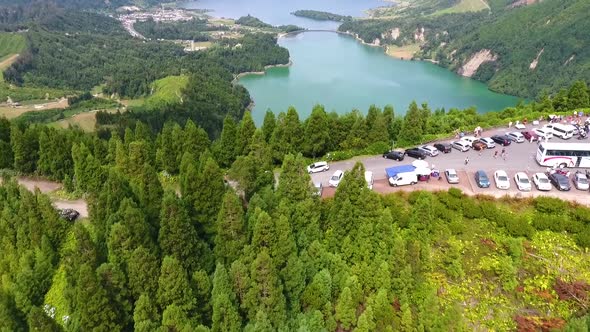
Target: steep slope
(516,47)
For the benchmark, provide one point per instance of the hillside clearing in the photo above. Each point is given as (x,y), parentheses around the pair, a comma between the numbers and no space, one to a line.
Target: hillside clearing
(11,43)
(405,52)
(465,6)
(167,90)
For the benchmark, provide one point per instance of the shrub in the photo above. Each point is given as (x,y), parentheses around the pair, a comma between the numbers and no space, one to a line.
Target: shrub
(550,205)
(581,214)
(471,209)
(455,192)
(543,221)
(377,148)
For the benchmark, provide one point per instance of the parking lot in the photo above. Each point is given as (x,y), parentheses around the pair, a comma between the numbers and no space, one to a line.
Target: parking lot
(520,157)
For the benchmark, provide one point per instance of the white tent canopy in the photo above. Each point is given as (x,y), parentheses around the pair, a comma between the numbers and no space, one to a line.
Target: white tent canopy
(420,164)
(422,171)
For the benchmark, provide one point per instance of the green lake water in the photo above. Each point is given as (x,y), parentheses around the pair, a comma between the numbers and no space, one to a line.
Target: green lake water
(342,74)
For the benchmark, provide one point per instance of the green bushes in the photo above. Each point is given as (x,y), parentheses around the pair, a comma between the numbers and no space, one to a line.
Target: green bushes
(550,205)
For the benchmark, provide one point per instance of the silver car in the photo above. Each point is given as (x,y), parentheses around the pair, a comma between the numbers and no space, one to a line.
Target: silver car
(451,176)
(581,181)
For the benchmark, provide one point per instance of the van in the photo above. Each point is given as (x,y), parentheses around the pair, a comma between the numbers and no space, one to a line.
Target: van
(369,179)
(402,179)
(561,130)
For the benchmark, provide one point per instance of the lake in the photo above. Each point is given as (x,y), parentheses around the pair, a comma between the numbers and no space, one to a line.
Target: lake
(279,12)
(340,73)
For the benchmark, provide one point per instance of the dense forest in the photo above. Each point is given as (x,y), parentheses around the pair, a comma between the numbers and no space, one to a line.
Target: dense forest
(169,245)
(186,30)
(321,16)
(516,36)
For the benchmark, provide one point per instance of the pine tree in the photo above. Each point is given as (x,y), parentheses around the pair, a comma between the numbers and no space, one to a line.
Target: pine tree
(148,190)
(287,138)
(412,128)
(231,231)
(38,321)
(25,147)
(225,311)
(175,318)
(346,309)
(319,291)
(142,267)
(177,237)
(268,125)
(377,126)
(145,315)
(246,133)
(196,140)
(383,310)
(174,287)
(366,321)
(10,317)
(294,182)
(388,118)
(208,197)
(266,292)
(93,310)
(316,136)
(227,148)
(578,96)
(202,291)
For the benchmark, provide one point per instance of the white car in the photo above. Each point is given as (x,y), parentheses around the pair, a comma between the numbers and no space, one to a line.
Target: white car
(543,132)
(501,179)
(461,145)
(320,166)
(489,142)
(580,181)
(429,150)
(451,176)
(516,136)
(522,181)
(336,178)
(541,181)
(469,139)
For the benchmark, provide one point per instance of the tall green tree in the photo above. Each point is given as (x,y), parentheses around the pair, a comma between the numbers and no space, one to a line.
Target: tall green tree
(231,229)
(366,321)
(268,125)
(318,292)
(227,148)
(316,134)
(174,287)
(578,96)
(142,267)
(286,138)
(245,134)
(225,310)
(294,182)
(412,128)
(208,197)
(196,140)
(146,317)
(346,309)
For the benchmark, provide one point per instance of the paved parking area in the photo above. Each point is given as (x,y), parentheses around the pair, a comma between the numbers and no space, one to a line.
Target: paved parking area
(520,158)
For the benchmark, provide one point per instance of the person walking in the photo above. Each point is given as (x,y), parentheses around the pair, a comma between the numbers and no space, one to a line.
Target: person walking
(466,160)
(496,154)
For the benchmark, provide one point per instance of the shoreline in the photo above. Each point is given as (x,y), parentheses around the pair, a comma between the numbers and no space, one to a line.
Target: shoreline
(262,73)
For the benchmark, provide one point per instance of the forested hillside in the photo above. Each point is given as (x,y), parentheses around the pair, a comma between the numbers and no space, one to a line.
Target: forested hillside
(531,48)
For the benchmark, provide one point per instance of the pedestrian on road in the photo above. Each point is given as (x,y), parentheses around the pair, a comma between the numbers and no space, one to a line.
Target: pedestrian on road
(505,155)
(495,154)
(466,160)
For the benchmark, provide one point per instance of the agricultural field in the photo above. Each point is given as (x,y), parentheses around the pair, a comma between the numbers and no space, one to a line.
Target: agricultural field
(10,44)
(167,90)
(464,6)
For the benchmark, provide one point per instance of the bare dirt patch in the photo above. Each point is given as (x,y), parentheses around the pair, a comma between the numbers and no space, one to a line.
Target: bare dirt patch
(8,61)
(11,112)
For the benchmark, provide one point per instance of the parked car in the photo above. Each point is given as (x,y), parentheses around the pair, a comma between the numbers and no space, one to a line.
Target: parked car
(522,181)
(443,147)
(489,142)
(544,133)
(530,136)
(469,139)
(336,178)
(580,181)
(481,179)
(560,181)
(515,136)
(501,179)
(395,155)
(478,146)
(319,188)
(429,150)
(501,139)
(451,176)
(68,214)
(320,166)
(461,145)
(415,153)
(541,182)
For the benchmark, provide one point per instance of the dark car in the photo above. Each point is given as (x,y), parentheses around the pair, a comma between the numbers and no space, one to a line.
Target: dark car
(443,147)
(68,214)
(415,153)
(502,139)
(394,155)
(530,136)
(482,180)
(560,181)
(478,146)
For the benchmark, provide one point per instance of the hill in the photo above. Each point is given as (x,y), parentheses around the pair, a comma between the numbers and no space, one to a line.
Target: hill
(515,48)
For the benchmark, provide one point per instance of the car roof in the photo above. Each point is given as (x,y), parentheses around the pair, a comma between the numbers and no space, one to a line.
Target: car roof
(500,172)
(541,175)
(515,133)
(320,163)
(451,171)
(522,174)
(338,172)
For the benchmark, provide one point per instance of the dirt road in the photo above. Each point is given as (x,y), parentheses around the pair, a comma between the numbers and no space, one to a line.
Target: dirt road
(45,187)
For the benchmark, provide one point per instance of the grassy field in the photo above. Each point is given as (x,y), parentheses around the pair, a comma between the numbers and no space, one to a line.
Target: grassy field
(405,52)
(10,44)
(167,90)
(465,6)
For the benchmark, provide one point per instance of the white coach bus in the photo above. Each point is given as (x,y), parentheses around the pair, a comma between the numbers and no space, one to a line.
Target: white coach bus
(564,154)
